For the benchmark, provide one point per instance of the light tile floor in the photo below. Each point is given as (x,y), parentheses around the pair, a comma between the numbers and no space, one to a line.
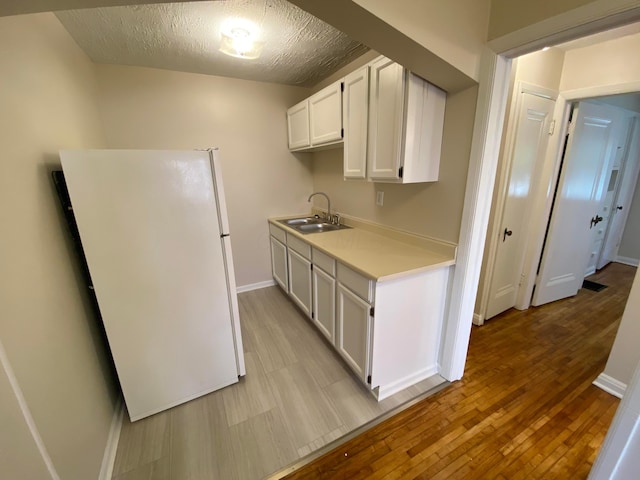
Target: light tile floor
(297,397)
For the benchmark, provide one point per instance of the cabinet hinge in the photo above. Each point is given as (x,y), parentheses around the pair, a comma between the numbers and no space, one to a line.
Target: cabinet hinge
(312,315)
(552,127)
(400,172)
(311,266)
(342,132)
(372,311)
(342,86)
(369,379)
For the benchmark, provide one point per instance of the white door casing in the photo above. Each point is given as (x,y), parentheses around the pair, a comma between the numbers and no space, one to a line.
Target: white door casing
(150,231)
(578,198)
(532,133)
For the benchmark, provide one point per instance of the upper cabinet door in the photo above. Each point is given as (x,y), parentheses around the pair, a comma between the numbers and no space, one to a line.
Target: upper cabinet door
(386,111)
(325,113)
(355,114)
(298,125)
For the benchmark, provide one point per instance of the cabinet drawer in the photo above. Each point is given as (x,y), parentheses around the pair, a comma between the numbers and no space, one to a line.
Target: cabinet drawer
(324,261)
(299,246)
(278,233)
(359,284)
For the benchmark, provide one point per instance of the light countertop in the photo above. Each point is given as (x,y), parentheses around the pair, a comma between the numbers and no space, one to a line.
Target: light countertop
(375,254)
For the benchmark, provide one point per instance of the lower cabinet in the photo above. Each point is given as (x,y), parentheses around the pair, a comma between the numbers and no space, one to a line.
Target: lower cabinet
(324,303)
(353,339)
(300,281)
(279,263)
(388,332)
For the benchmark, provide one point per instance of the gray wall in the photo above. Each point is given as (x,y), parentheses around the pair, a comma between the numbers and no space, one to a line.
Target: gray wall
(51,338)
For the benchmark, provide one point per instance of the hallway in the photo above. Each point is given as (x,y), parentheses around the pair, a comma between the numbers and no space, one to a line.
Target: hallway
(526,407)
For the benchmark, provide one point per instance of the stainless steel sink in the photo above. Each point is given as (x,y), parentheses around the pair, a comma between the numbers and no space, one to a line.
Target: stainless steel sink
(311,225)
(292,222)
(319,227)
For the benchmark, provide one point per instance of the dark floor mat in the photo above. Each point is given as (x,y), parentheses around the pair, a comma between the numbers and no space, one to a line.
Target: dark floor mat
(595,286)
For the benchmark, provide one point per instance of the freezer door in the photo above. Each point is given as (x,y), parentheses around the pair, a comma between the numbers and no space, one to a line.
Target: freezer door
(149,225)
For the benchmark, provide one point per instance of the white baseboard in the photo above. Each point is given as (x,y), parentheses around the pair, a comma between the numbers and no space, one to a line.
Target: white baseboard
(478,319)
(109,458)
(256,286)
(610,385)
(634,262)
(406,382)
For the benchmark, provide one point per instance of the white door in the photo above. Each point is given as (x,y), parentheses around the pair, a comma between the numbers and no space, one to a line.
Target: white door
(324,303)
(531,139)
(279,263)
(355,114)
(624,178)
(149,226)
(354,331)
(325,115)
(300,281)
(579,195)
(298,125)
(386,116)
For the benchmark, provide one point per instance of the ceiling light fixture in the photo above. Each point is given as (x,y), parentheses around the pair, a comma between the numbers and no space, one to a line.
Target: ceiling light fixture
(238,40)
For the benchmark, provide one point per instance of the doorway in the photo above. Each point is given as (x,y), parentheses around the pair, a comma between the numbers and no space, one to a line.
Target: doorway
(546,68)
(599,138)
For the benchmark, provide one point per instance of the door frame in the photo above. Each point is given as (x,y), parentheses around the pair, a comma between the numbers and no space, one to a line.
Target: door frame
(625,170)
(494,75)
(503,178)
(554,161)
(495,68)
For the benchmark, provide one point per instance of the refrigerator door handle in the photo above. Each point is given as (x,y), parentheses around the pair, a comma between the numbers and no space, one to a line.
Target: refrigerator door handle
(218,188)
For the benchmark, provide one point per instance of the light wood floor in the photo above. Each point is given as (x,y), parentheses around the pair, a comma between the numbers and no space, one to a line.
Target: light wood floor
(297,396)
(525,409)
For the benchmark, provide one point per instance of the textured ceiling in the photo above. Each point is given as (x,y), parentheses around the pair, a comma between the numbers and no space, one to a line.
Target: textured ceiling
(299,48)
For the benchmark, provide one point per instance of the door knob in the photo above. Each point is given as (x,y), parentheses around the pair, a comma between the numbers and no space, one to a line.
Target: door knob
(507,233)
(595,220)
(619,207)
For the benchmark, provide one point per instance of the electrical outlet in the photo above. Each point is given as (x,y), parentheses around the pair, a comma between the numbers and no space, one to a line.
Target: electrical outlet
(379,198)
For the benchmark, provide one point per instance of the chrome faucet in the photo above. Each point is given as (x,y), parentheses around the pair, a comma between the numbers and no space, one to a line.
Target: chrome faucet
(328,217)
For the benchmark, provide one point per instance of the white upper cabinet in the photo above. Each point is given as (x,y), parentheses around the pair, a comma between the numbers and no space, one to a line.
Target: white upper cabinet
(325,115)
(406,118)
(317,121)
(355,114)
(389,120)
(386,101)
(298,125)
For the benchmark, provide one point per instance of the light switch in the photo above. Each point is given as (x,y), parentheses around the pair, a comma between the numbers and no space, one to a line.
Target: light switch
(379,198)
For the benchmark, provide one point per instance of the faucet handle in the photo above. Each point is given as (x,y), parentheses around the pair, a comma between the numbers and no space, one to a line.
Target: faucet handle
(335,219)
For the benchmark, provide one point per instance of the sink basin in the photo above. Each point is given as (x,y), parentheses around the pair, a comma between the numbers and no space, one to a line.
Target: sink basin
(301,221)
(319,227)
(311,225)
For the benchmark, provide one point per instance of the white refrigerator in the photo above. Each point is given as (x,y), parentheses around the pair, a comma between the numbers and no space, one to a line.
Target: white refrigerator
(154,230)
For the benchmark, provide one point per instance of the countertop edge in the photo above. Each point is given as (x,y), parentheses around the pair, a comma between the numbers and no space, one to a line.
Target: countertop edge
(446,262)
